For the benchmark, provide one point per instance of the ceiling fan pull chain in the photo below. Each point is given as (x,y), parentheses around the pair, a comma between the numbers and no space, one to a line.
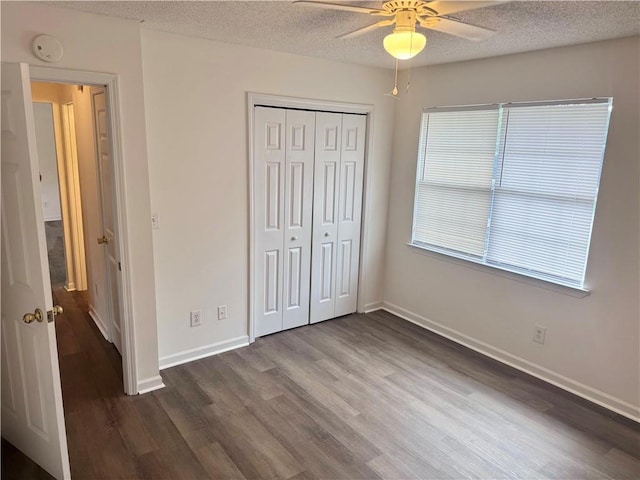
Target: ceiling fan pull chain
(409,76)
(394,92)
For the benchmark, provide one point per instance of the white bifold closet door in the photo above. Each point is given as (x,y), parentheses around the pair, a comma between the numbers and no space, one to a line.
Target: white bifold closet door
(308,172)
(283,192)
(337,210)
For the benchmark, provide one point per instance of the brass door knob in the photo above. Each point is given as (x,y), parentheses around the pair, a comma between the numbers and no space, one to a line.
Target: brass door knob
(103,239)
(51,314)
(32,317)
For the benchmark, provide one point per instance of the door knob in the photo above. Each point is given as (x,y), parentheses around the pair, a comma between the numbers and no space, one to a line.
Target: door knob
(55,311)
(32,317)
(103,239)
(326,234)
(294,238)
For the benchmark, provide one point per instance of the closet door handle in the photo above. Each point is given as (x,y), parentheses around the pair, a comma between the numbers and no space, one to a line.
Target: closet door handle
(326,234)
(294,238)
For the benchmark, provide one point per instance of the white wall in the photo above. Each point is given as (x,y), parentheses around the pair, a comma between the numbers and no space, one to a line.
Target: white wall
(196,104)
(592,343)
(43,117)
(102,44)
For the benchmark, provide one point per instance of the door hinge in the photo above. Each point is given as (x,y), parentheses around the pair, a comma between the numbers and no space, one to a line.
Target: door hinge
(119,266)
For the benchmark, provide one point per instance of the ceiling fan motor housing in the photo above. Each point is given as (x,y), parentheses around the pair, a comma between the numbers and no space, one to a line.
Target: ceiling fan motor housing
(417,6)
(405,21)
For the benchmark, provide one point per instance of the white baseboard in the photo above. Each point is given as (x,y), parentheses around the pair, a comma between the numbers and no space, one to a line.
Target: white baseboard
(593,395)
(99,323)
(70,287)
(202,352)
(150,384)
(372,307)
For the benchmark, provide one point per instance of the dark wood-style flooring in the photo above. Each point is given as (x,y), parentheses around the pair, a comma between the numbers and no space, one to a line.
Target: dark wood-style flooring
(363,396)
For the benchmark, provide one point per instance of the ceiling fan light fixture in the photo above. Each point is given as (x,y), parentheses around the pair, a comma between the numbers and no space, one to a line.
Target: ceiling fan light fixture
(404,45)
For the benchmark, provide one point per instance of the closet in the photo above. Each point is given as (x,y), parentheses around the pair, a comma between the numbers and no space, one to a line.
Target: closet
(308,174)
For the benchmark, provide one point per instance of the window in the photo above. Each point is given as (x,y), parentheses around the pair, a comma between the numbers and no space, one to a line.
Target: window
(512,186)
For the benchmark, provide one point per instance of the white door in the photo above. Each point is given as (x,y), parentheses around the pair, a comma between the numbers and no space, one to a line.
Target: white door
(349,213)
(269,174)
(339,169)
(107,202)
(32,413)
(298,195)
(325,215)
(283,186)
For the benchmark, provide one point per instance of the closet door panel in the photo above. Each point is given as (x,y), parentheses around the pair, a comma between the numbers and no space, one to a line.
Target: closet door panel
(269,222)
(350,213)
(298,203)
(325,215)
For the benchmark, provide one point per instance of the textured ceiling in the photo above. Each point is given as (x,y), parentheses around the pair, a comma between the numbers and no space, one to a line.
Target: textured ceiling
(276,25)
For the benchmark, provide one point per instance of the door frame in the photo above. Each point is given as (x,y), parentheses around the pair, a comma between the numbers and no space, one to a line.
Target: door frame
(279,101)
(111,82)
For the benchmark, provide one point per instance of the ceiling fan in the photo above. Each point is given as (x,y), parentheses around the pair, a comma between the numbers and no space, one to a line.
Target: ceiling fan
(405,42)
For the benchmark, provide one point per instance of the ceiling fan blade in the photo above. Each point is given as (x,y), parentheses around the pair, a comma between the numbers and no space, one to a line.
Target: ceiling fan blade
(368,28)
(456,28)
(342,6)
(446,7)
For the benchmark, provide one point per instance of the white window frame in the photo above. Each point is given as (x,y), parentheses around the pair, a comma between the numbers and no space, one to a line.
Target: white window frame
(482,262)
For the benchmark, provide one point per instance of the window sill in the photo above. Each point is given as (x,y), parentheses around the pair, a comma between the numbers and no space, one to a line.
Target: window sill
(501,272)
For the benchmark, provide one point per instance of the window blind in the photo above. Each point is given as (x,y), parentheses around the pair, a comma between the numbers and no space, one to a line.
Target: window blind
(455,175)
(512,186)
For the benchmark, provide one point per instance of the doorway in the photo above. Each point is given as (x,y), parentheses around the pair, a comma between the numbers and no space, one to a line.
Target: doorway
(78,201)
(48,153)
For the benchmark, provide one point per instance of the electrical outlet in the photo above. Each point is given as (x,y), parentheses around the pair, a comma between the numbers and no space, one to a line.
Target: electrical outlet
(222,312)
(196,318)
(539,333)
(155,221)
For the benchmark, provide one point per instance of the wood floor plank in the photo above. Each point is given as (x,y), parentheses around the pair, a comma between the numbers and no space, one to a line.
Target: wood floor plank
(360,397)
(217,463)
(255,357)
(323,416)
(265,386)
(312,378)
(136,438)
(255,451)
(619,465)
(318,450)
(386,467)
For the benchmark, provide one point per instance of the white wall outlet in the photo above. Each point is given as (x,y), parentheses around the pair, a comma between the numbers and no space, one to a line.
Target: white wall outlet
(155,221)
(196,318)
(222,312)
(539,333)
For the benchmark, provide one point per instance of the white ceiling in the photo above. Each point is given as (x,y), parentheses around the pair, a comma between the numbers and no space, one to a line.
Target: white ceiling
(282,26)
